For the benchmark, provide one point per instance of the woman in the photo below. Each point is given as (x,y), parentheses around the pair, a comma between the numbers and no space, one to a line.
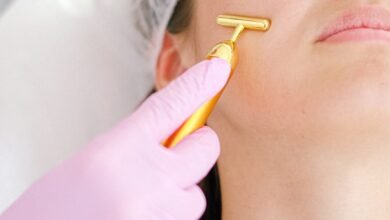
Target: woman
(303,125)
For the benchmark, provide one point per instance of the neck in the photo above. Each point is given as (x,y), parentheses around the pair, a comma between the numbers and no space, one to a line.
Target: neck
(305,177)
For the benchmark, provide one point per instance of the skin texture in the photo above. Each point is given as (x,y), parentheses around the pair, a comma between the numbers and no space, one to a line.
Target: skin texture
(304,126)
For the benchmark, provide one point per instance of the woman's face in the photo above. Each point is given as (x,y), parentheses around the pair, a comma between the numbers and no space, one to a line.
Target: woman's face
(288,83)
(300,119)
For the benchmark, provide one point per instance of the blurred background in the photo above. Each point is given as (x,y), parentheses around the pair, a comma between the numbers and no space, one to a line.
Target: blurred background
(64,78)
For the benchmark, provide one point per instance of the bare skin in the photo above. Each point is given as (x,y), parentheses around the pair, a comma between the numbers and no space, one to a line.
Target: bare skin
(304,126)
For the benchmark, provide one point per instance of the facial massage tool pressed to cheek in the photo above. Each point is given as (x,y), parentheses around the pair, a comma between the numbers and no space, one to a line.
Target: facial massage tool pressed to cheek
(225,50)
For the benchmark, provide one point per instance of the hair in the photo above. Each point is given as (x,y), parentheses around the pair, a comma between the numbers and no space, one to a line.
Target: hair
(181,17)
(180,22)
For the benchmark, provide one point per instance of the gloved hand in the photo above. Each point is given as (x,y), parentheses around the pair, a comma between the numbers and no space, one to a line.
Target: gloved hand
(126,173)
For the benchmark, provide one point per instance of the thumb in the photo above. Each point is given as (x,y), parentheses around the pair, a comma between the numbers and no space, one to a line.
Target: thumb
(163,112)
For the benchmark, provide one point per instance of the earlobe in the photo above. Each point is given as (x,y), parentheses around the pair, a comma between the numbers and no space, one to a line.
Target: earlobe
(169,65)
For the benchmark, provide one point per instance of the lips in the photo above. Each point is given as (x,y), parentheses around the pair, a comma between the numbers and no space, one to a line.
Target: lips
(353,23)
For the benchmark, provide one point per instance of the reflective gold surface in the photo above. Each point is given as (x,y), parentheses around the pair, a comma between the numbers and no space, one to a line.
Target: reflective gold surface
(256,24)
(225,50)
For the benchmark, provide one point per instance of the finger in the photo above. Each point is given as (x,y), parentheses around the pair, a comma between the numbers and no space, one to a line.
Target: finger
(194,157)
(193,204)
(170,202)
(162,113)
(184,204)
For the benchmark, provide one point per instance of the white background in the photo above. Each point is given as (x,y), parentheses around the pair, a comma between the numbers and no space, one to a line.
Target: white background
(65,75)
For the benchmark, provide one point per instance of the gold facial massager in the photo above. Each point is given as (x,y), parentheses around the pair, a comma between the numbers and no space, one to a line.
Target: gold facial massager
(225,50)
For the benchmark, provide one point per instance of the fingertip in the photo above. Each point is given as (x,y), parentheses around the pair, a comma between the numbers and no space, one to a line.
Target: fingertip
(222,64)
(222,70)
(200,200)
(208,77)
(211,139)
(204,143)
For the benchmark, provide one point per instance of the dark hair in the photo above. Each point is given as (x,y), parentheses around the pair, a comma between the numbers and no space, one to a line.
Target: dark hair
(179,22)
(181,17)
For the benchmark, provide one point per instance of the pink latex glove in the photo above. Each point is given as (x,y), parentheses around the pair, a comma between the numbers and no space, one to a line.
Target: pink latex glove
(126,173)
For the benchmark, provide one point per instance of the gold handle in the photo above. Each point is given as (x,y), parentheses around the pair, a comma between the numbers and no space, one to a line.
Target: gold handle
(224,50)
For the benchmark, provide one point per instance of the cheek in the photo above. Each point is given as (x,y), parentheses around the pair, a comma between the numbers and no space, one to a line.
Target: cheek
(261,98)
(267,90)
(271,85)
(285,83)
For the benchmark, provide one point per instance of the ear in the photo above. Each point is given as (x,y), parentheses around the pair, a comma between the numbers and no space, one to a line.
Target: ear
(169,64)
